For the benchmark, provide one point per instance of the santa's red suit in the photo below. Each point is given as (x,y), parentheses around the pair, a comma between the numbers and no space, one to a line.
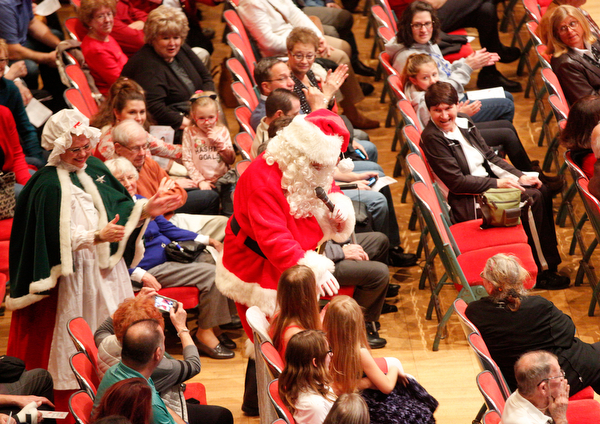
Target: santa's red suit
(263,238)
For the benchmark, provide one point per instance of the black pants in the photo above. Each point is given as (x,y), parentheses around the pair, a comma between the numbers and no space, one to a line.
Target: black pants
(208,414)
(202,202)
(503,133)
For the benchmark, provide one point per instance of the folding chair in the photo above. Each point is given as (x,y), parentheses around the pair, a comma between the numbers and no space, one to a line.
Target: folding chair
(243,114)
(85,373)
(80,405)
(491,417)
(257,320)
(552,87)
(71,27)
(384,35)
(381,19)
(243,141)
(238,71)
(75,100)
(187,296)
(397,90)
(79,80)
(488,364)
(592,208)
(385,5)
(460,306)
(386,65)
(272,357)
(241,166)
(281,409)
(243,95)
(461,269)
(492,394)
(83,338)
(242,51)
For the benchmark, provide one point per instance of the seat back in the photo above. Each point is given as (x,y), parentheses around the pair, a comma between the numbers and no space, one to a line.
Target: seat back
(84,373)
(272,357)
(413,138)
(591,204)
(408,113)
(532,27)
(488,386)
(552,84)
(385,34)
(243,96)
(543,56)
(75,100)
(238,71)
(491,417)
(281,409)
(487,363)
(560,109)
(80,405)
(241,166)
(385,5)
(83,338)
(243,114)
(79,80)
(386,62)
(242,51)
(243,142)
(533,10)
(576,171)
(71,27)
(460,306)
(396,86)
(381,17)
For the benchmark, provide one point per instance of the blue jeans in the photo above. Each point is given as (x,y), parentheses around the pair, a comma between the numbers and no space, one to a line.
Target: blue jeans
(495,109)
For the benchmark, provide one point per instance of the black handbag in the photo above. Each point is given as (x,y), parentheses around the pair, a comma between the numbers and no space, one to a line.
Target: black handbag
(184,251)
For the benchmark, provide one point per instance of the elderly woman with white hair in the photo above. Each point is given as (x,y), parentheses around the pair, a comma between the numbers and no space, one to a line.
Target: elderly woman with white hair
(71,228)
(167,69)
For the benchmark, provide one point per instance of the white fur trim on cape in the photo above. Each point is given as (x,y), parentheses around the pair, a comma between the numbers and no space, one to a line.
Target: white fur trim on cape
(329,226)
(29,299)
(246,293)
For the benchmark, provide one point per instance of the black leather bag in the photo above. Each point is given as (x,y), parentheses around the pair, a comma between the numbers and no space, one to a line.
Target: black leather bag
(184,251)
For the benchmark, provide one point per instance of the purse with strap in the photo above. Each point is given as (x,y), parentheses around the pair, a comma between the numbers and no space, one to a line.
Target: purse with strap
(500,207)
(184,251)
(7,195)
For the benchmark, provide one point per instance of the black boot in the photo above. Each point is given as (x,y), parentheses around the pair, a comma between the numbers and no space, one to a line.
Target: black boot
(375,342)
(250,402)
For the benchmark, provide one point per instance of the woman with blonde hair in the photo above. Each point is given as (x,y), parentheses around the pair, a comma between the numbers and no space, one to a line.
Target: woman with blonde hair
(392,396)
(512,323)
(168,69)
(349,408)
(298,306)
(575,51)
(305,383)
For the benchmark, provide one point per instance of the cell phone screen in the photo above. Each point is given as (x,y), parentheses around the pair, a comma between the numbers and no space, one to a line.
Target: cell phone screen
(164,304)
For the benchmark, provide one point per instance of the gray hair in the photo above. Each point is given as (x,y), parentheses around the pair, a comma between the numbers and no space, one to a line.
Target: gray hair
(165,20)
(507,276)
(121,166)
(531,369)
(125,130)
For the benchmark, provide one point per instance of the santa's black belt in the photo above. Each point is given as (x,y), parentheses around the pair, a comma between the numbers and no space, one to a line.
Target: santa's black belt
(249,242)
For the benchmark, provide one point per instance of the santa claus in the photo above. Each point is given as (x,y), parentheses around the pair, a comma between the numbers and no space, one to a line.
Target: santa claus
(278,220)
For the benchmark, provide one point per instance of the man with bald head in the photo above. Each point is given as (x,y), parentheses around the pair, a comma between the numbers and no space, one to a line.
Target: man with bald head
(543,391)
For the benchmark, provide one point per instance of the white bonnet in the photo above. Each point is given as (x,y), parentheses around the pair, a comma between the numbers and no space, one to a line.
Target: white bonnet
(58,131)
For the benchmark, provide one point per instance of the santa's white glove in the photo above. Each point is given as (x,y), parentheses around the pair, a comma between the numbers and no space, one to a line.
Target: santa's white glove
(329,285)
(339,214)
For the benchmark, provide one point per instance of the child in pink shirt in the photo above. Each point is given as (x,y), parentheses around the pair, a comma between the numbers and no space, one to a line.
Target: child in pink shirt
(207,151)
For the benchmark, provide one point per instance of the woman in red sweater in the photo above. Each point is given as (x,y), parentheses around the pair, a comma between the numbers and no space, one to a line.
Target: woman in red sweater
(11,153)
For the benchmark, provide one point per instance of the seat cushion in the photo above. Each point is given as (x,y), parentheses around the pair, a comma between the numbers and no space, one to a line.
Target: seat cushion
(5,227)
(585,411)
(473,262)
(469,235)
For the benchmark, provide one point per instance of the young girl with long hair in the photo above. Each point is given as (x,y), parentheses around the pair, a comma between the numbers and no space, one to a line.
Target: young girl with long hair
(127,100)
(392,396)
(207,148)
(305,383)
(298,306)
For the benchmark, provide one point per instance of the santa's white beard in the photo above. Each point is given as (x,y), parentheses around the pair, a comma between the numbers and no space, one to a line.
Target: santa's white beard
(300,189)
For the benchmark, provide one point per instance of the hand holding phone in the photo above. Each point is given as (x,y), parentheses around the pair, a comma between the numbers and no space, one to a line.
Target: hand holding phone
(164,304)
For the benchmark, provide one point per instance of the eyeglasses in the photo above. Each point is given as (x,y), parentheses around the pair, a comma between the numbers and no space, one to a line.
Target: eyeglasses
(574,24)
(419,25)
(136,149)
(300,56)
(284,78)
(76,150)
(107,15)
(210,120)
(562,375)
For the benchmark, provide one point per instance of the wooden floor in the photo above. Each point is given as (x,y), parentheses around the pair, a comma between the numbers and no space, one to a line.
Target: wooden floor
(448,374)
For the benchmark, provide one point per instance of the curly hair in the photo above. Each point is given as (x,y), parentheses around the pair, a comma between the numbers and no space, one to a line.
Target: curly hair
(300,373)
(86,10)
(507,275)
(165,20)
(301,35)
(404,35)
(134,310)
(344,324)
